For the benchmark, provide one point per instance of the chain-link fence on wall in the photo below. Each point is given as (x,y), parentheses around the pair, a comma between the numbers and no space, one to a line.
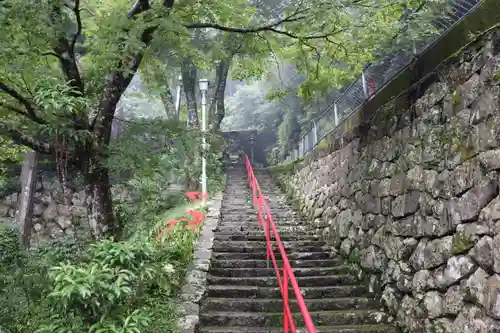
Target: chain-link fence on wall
(374,78)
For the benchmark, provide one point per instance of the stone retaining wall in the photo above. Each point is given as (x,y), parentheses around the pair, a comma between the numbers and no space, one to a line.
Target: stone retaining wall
(54,213)
(415,200)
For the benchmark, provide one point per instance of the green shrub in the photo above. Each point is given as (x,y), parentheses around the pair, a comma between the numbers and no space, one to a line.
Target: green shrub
(77,285)
(126,286)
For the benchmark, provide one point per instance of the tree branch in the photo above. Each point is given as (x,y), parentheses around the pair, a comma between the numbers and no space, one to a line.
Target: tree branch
(138,7)
(64,49)
(290,18)
(13,109)
(118,80)
(78,32)
(318,55)
(273,27)
(51,54)
(30,110)
(26,140)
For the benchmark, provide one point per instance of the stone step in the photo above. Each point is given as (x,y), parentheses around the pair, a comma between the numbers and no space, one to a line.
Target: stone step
(239,207)
(234,218)
(275,292)
(262,255)
(254,223)
(251,213)
(264,319)
(381,328)
(242,219)
(252,272)
(276,304)
(261,236)
(264,263)
(256,228)
(269,189)
(247,214)
(271,281)
(260,247)
(240,213)
(229,216)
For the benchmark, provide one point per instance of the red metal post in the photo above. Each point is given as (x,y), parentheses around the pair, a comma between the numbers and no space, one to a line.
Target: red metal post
(285,300)
(259,210)
(267,230)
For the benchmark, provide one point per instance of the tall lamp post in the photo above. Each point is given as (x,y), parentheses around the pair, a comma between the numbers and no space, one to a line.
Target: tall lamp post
(178,97)
(203,84)
(252,143)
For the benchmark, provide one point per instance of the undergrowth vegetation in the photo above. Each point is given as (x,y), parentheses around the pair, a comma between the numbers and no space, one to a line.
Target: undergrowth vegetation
(77,285)
(9,153)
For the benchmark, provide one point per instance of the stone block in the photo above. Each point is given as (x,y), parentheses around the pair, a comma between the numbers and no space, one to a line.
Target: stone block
(405,204)
(432,253)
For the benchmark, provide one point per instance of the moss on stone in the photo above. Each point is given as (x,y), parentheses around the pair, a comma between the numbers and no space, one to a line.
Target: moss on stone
(349,125)
(455,98)
(466,152)
(462,242)
(383,119)
(354,257)
(295,203)
(454,138)
(286,168)
(496,77)
(474,37)
(322,145)
(438,327)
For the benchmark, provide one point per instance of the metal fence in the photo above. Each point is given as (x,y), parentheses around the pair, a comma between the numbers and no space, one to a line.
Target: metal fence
(374,78)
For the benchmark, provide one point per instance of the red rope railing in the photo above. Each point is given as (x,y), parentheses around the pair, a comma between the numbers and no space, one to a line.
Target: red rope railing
(268,224)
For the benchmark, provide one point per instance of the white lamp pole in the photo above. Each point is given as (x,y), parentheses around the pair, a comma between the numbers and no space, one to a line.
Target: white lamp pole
(203,84)
(178,97)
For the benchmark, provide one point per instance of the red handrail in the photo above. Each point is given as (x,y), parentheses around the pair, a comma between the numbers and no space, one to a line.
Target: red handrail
(262,208)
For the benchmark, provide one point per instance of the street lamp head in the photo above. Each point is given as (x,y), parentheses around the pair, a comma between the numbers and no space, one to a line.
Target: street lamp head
(203,84)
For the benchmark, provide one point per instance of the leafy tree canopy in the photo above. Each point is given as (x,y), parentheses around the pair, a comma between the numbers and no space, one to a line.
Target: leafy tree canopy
(302,71)
(66,63)
(327,41)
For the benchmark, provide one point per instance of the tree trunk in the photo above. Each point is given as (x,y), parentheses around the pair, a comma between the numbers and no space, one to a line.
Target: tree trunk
(100,210)
(100,204)
(217,110)
(168,103)
(189,82)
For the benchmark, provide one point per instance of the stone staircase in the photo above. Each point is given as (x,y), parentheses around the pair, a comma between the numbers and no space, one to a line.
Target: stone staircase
(242,291)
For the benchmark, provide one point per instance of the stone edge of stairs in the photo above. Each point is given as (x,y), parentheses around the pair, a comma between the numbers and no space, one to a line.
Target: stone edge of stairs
(195,280)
